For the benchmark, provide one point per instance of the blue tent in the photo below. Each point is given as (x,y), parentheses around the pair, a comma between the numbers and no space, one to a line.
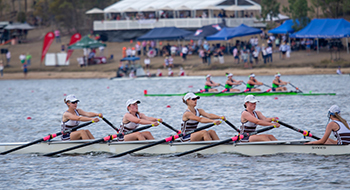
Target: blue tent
(324,28)
(228,33)
(285,28)
(165,33)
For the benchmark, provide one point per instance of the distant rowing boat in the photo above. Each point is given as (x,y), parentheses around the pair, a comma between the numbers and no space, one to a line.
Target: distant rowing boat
(157,78)
(249,149)
(245,93)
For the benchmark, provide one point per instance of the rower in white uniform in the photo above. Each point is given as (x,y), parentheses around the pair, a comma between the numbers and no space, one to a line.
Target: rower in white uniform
(133,118)
(251,119)
(339,127)
(192,117)
(72,117)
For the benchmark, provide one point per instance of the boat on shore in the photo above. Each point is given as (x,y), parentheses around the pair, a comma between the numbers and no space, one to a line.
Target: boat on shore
(218,94)
(248,149)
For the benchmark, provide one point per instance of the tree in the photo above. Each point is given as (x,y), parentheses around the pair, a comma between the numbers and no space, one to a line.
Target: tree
(298,9)
(271,8)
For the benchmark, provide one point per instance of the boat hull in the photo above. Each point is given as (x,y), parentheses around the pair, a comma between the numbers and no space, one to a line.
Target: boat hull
(218,94)
(248,149)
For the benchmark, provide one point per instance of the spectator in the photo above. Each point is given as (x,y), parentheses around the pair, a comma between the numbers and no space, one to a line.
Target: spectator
(91,58)
(128,52)
(166,62)
(288,50)
(244,56)
(144,47)
(171,61)
(308,46)
(209,54)
(173,50)
(277,42)
(338,71)
(170,72)
(8,57)
(63,48)
(147,62)
(22,58)
(184,52)
(25,69)
(133,52)
(138,48)
(283,50)
(256,41)
(81,61)
(264,53)
(269,53)
(182,72)
(28,58)
(1,68)
(101,48)
(256,56)
(235,54)
(159,73)
(57,36)
(221,56)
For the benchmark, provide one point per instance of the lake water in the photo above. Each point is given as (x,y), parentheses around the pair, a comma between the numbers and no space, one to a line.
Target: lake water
(42,100)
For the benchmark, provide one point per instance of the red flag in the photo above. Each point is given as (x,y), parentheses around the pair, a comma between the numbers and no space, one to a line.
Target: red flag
(75,38)
(49,37)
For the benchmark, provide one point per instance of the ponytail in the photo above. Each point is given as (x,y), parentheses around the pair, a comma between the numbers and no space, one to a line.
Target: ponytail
(342,120)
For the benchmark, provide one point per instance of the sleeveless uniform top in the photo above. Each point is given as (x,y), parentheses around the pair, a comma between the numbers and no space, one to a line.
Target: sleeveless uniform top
(189,125)
(227,86)
(274,86)
(343,134)
(125,127)
(206,87)
(248,127)
(68,125)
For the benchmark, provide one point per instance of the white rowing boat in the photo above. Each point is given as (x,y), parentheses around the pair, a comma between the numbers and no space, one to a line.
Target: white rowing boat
(158,78)
(249,149)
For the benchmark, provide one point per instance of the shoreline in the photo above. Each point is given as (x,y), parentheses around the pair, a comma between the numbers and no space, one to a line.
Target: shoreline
(235,72)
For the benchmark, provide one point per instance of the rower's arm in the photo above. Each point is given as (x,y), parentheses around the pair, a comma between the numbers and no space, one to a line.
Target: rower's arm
(210,115)
(134,119)
(143,116)
(330,127)
(89,114)
(191,116)
(247,116)
(69,116)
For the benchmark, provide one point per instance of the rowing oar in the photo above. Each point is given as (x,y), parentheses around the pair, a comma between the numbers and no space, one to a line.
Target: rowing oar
(170,127)
(48,137)
(305,133)
(296,88)
(235,138)
(107,138)
(231,125)
(171,138)
(110,124)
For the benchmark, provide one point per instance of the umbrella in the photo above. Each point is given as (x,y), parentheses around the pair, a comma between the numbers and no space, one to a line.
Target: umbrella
(94,11)
(86,42)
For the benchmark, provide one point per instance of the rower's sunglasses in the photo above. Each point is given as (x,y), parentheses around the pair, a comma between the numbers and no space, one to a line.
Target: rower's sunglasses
(74,102)
(194,99)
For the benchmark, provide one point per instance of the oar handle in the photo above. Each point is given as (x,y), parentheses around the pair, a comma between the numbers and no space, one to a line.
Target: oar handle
(171,128)
(231,125)
(171,138)
(305,133)
(110,124)
(48,137)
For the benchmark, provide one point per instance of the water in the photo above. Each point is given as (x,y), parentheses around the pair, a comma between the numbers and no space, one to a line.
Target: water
(42,100)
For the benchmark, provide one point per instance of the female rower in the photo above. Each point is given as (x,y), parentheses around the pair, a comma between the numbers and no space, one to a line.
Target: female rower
(230,82)
(191,118)
(251,119)
(209,84)
(277,82)
(72,117)
(251,83)
(132,119)
(339,127)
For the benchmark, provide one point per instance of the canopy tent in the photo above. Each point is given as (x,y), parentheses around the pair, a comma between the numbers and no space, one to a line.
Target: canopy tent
(165,33)
(86,42)
(325,28)
(123,5)
(94,11)
(205,31)
(285,28)
(228,33)
(20,26)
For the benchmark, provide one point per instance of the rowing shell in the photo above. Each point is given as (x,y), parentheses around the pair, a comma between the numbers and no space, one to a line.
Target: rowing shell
(249,149)
(157,78)
(246,93)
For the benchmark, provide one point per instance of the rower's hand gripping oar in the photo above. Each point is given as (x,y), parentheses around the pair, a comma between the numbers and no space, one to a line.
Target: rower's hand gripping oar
(107,138)
(305,133)
(235,138)
(49,137)
(171,138)
(295,87)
